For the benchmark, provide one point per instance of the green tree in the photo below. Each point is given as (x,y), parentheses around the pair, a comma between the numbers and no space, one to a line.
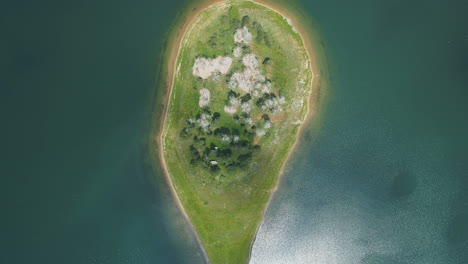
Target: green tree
(245,20)
(216,115)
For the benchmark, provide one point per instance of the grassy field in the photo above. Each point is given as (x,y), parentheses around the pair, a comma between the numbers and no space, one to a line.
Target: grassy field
(225,202)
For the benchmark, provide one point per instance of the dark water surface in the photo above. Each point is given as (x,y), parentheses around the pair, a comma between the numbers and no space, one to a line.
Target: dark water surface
(382,178)
(76,183)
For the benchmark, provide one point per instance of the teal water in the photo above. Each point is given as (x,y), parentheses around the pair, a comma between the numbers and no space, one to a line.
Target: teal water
(380,179)
(383,177)
(77,186)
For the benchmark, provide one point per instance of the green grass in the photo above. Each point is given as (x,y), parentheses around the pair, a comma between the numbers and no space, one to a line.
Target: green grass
(226,207)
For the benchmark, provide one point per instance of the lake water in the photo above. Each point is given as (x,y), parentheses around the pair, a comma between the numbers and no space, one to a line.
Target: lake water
(76,77)
(381,177)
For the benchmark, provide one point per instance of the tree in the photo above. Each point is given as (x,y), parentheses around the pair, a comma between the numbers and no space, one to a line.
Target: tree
(243,143)
(236,23)
(260,37)
(267,41)
(260,33)
(224,153)
(206,110)
(260,102)
(213,40)
(245,20)
(255,147)
(187,132)
(232,93)
(267,96)
(214,168)
(206,152)
(244,157)
(222,130)
(216,115)
(212,146)
(194,151)
(246,98)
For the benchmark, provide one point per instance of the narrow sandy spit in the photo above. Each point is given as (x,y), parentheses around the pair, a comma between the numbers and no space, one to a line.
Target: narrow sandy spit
(172,60)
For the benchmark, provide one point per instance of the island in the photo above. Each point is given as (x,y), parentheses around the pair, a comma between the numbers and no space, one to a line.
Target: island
(240,89)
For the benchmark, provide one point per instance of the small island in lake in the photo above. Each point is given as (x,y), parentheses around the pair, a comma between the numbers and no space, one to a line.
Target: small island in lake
(240,91)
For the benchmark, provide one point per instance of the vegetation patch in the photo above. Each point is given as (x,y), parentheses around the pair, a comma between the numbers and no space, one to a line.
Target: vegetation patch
(240,92)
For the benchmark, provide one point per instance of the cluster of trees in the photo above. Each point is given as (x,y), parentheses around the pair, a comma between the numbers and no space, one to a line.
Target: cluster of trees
(207,148)
(236,155)
(233,93)
(220,42)
(191,127)
(261,35)
(266,96)
(205,152)
(229,154)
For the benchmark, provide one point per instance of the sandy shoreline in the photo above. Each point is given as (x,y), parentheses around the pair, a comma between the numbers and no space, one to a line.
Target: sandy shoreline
(172,60)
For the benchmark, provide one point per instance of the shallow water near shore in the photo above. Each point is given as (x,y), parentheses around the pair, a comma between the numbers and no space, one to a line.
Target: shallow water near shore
(380,177)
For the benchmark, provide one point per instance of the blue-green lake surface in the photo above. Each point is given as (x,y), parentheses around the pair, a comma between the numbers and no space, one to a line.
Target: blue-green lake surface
(380,177)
